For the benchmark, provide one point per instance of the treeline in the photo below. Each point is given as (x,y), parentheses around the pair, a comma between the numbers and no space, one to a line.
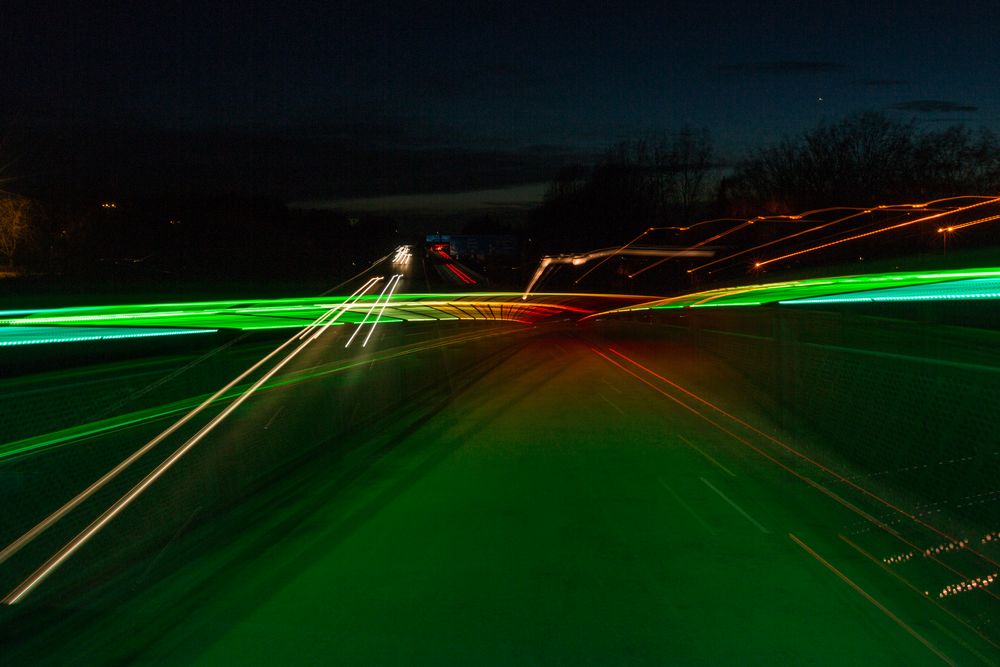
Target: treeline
(224,237)
(864,160)
(636,184)
(675,179)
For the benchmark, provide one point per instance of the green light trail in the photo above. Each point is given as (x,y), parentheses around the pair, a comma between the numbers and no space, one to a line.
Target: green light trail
(33,335)
(975,288)
(900,286)
(80,323)
(89,323)
(77,434)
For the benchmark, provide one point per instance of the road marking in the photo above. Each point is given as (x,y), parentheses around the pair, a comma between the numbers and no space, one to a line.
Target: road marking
(611,404)
(789,449)
(687,507)
(613,388)
(319,326)
(962,642)
(56,516)
(921,593)
(875,602)
(706,455)
(274,416)
(735,506)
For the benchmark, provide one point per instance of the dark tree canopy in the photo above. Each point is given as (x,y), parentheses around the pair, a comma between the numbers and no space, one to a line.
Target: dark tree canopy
(651,181)
(863,160)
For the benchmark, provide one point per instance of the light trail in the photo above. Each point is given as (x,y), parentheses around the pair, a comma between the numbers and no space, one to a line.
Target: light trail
(374,303)
(898,621)
(252,315)
(145,416)
(57,559)
(819,487)
(647,232)
(841,478)
(18,544)
(859,211)
(607,253)
(695,246)
(460,274)
(926,596)
(402,255)
(890,228)
(953,228)
(388,298)
(780,239)
(972,284)
(30,335)
(606,258)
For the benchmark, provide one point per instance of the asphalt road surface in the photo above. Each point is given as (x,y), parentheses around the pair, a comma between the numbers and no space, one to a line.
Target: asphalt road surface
(558,502)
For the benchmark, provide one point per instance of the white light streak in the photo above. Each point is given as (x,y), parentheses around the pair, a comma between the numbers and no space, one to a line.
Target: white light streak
(368,314)
(396,278)
(70,548)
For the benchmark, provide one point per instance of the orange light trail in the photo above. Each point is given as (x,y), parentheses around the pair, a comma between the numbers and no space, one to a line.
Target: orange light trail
(859,212)
(648,231)
(614,254)
(738,227)
(878,231)
(953,228)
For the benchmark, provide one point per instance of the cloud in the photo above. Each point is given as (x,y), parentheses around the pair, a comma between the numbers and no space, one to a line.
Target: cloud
(882,83)
(932,106)
(784,67)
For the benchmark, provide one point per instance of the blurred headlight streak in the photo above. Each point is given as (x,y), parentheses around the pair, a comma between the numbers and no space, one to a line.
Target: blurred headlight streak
(63,554)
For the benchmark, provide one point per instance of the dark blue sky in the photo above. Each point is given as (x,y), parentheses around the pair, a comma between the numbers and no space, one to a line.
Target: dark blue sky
(539,79)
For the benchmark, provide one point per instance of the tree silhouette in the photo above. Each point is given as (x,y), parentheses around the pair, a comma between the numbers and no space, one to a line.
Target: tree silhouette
(14,212)
(862,160)
(650,181)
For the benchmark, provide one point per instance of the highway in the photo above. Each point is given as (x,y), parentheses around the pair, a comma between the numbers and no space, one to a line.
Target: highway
(488,493)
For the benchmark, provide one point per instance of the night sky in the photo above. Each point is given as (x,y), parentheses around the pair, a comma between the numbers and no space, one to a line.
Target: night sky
(355,99)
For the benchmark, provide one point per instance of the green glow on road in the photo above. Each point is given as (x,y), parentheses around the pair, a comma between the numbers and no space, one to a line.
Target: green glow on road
(78,434)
